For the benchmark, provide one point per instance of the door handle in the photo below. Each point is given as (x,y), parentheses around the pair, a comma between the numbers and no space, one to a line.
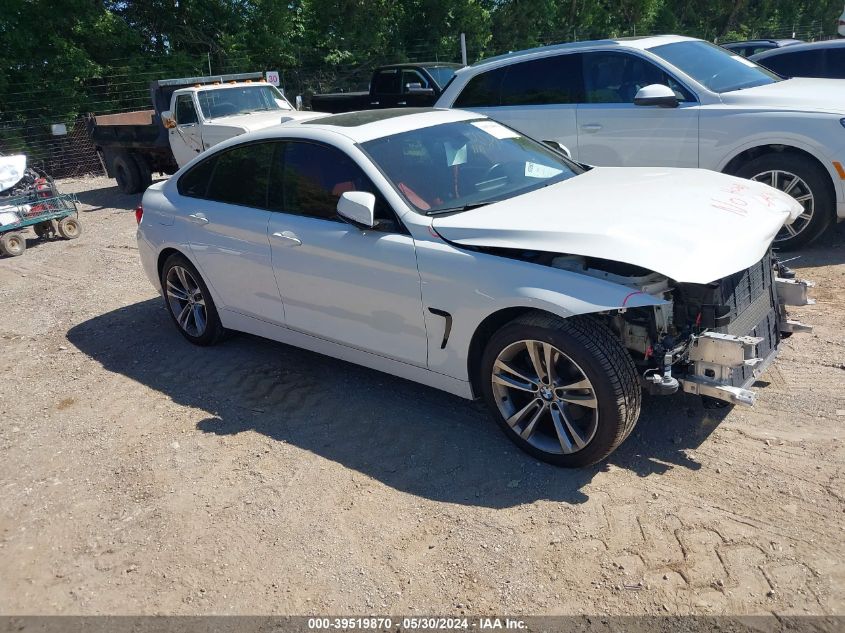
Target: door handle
(198,218)
(401,103)
(288,238)
(374,103)
(591,127)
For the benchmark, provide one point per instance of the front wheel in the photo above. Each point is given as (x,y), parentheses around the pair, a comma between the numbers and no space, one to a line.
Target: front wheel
(563,390)
(189,302)
(805,181)
(12,244)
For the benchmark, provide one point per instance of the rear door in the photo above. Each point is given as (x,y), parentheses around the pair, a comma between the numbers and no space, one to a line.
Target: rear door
(612,131)
(360,288)
(226,217)
(386,89)
(538,97)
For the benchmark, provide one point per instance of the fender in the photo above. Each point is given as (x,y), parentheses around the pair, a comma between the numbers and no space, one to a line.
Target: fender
(507,285)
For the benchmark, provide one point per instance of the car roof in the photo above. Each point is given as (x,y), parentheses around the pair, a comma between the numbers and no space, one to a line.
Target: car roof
(422,65)
(779,42)
(640,43)
(796,48)
(367,125)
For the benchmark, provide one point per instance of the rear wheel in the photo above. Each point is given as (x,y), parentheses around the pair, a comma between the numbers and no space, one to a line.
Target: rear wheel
(13,244)
(805,181)
(70,228)
(144,172)
(189,302)
(43,230)
(564,390)
(126,173)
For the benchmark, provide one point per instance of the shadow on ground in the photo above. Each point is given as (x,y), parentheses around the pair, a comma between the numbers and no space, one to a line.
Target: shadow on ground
(109,198)
(827,250)
(412,438)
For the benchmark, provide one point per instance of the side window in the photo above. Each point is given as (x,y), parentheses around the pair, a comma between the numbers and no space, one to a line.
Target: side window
(548,80)
(308,179)
(797,64)
(386,82)
(185,111)
(835,63)
(617,77)
(194,183)
(413,77)
(483,90)
(241,175)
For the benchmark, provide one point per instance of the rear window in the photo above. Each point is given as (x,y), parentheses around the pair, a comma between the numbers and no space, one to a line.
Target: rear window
(483,90)
(194,183)
(237,176)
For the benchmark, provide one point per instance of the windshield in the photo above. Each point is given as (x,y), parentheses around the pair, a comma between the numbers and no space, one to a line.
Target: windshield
(222,102)
(455,166)
(714,67)
(441,74)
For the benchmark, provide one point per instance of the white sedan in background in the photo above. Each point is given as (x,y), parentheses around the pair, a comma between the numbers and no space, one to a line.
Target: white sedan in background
(448,249)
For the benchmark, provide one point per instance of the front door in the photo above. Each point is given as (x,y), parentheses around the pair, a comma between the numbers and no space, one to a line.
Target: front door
(186,137)
(613,132)
(357,287)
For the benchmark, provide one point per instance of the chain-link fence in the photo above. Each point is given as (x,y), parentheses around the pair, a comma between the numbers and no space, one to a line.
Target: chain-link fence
(26,128)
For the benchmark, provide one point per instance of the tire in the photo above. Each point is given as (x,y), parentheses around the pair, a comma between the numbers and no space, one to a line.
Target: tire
(70,228)
(13,244)
(193,312)
(144,173)
(44,230)
(782,169)
(126,173)
(586,353)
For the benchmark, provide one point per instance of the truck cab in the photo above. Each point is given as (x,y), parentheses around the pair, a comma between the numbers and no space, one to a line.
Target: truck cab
(203,115)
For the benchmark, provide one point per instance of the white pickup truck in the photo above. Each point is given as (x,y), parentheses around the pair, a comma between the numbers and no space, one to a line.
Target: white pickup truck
(188,116)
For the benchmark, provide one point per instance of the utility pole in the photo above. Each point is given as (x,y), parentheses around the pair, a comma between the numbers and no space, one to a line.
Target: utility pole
(464,49)
(208,55)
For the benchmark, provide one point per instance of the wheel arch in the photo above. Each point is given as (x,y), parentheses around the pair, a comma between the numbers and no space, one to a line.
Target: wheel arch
(742,156)
(494,322)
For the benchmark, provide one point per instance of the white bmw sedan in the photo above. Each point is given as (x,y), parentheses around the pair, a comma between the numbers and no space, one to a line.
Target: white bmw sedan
(448,249)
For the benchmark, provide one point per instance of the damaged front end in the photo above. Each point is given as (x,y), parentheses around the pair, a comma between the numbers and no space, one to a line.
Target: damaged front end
(715,339)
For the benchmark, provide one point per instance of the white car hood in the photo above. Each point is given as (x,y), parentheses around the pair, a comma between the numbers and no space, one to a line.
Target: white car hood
(12,169)
(692,225)
(261,120)
(800,93)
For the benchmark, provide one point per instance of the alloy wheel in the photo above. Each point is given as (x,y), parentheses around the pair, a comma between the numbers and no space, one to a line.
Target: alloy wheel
(545,397)
(186,301)
(796,187)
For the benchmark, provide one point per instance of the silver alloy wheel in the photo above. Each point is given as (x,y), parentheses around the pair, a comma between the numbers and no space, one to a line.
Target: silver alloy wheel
(545,397)
(186,301)
(798,189)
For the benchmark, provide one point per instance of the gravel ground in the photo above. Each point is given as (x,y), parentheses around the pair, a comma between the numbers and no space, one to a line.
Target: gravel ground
(142,475)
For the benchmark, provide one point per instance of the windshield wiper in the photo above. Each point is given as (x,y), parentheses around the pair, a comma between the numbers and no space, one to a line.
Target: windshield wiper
(466,207)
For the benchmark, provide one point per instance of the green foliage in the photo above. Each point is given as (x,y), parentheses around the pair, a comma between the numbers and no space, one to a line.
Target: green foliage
(61,58)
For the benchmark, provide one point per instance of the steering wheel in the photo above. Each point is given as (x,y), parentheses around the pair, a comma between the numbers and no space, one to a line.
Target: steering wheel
(224,108)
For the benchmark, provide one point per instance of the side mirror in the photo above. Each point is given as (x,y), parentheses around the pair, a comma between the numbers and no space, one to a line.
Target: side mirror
(656,95)
(559,147)
(359,208)
(167,119)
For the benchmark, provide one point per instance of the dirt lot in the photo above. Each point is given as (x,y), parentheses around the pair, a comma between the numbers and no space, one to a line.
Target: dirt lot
(140,474)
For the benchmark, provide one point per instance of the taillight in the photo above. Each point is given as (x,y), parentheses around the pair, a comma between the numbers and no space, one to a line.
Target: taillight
(139,213)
